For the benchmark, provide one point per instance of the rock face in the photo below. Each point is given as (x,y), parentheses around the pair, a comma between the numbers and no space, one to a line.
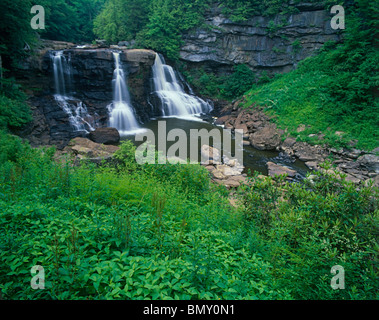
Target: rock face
(108,136)
(274,44)
(91,73)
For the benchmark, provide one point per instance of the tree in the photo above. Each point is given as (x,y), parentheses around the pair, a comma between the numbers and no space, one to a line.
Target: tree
(70,20)
(121,19)
(15,30)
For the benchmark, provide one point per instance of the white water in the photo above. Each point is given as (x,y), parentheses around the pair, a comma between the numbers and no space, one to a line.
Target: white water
(174,101)
(77,112)
(121,113)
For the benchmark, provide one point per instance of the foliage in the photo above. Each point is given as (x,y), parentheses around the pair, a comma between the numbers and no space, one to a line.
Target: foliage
(226,87)
(14,111)
(121,20)
(106,234)
(15,30)
(168,20)
(164,232)
(306,229)
(70,20)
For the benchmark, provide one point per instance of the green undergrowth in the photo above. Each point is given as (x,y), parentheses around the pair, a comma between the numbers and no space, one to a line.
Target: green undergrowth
(334,91)
(125,231)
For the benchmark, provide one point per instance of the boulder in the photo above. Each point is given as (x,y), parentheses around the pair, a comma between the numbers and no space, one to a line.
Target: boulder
(275,169)
(223,120)
(108,136)
(229,171)
(84,148)
(268,138)
(370,162)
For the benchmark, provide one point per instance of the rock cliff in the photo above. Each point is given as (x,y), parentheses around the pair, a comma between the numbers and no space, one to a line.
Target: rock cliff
(272,44)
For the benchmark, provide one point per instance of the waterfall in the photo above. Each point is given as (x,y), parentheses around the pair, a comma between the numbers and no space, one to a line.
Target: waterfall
(121,113)
(174,100)
(76,111)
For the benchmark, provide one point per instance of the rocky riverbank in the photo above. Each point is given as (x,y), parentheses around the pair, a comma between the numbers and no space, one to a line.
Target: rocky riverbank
(260,131)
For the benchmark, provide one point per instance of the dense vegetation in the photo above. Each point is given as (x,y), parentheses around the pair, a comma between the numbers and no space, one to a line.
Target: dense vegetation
(165,232)
(333,91)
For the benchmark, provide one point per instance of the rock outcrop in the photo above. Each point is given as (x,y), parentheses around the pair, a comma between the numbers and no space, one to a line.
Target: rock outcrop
(273,44)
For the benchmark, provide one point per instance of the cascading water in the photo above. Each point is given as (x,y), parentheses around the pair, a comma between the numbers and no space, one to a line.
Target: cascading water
(174,100)
(121,113)
(77,112)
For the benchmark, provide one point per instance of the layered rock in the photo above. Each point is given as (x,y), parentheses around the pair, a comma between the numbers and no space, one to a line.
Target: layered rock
(274,44)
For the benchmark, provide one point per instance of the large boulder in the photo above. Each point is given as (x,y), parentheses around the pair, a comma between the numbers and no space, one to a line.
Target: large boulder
(108,136)
(268,138)
(370,162)
(276,170)
(84,148)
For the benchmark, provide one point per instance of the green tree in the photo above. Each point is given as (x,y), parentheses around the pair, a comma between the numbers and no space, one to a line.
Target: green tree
(70,20)
(15,30)
(121,20)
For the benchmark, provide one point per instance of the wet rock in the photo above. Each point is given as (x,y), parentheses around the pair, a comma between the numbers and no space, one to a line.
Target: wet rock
(109,136)
(275,169)
(223,120)
(308,153)
(92,73)
(313,165)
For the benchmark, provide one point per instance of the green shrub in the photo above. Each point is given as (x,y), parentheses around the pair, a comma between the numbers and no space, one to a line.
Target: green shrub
(306,229)
(13,113)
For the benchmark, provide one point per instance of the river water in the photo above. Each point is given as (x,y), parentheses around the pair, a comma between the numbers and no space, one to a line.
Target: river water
(254,160)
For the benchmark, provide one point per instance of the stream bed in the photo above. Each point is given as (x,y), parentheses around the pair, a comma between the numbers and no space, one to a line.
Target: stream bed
(254,160)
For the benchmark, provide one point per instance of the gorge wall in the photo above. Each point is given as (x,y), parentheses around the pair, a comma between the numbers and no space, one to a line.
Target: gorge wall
(271,44)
